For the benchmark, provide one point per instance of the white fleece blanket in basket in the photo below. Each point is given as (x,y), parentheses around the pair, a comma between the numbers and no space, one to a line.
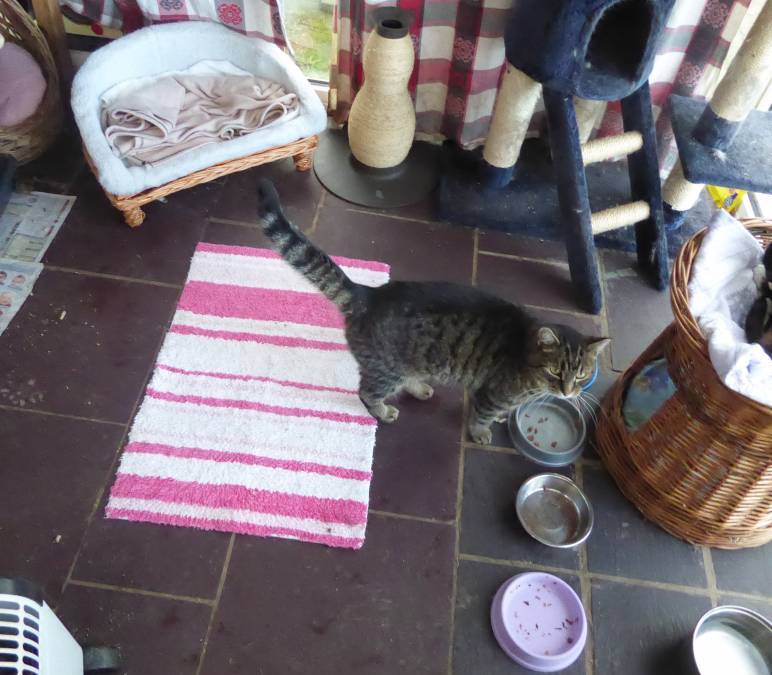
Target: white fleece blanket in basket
(175,47)
(723,285)
(154,119)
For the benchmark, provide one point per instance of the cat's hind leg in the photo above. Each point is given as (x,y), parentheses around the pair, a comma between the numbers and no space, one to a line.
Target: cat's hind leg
(418,389)
(374,387)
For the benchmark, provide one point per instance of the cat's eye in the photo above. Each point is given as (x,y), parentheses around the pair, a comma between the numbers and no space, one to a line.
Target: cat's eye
(581,374)
(554,371)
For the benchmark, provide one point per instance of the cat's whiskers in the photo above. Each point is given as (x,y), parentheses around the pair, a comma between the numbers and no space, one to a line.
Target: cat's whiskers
(531,404)
(587,408)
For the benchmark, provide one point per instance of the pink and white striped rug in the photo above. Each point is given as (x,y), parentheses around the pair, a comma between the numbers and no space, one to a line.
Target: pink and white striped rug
(251,422)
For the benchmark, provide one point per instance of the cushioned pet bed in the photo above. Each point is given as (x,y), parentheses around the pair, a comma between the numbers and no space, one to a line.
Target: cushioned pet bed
(173,47)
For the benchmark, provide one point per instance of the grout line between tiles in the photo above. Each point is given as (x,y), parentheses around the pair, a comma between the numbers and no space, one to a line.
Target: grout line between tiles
(394,216)
(571,312)
(475,254)
(457,545)
(645,583)
(491,448)
(585,461)
(112,277)
(216,602)
(585,587)
(746,596)
(65,416)
(121,443)
(140,591)
(597,576)
(317,213)
(710,575)
(524,564)
(407,516)
(241,223)
(522,258)
(92,512)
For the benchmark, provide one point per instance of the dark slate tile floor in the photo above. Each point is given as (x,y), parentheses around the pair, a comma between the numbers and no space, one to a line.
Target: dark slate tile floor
(442,534)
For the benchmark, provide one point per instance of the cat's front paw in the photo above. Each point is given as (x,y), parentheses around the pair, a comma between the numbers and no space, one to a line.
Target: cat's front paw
(481,435)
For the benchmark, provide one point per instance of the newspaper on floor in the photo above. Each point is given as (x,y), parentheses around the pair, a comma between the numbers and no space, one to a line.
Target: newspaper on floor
(27,226)
(16,281)
(30,222)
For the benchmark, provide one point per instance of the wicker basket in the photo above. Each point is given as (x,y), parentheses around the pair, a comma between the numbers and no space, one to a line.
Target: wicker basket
(701,466)
(30,139)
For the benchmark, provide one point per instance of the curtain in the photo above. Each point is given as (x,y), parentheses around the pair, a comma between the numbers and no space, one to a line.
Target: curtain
(256,18)
(460,54)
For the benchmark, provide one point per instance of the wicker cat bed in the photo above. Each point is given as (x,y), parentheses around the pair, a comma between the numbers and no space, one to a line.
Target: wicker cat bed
(701,466)
(30,138)
(170,47)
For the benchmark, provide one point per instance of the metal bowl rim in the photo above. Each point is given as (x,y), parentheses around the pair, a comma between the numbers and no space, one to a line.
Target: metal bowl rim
(732,609)
(565,479)
(512,421)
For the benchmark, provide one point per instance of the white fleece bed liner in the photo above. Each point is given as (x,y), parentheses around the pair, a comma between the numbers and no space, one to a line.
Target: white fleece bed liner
(177,46)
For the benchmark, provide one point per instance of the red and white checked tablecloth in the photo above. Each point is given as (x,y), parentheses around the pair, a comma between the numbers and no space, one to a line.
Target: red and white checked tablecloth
(460,53)
(257,18)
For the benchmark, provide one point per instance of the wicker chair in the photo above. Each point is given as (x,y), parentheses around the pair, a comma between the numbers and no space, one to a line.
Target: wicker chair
(28,140)
(701,466)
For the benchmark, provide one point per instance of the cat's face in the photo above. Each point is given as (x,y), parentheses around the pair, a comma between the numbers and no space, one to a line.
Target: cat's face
(565,360)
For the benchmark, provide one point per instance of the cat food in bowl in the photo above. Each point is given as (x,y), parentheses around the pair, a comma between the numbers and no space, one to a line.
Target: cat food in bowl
(550,432)
(539,622)
(554,511)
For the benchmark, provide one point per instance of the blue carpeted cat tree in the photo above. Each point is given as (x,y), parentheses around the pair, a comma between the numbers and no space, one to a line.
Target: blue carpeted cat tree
(725,142)
(573,51)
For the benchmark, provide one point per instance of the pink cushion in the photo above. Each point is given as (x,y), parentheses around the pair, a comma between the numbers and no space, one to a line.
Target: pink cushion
(22,85)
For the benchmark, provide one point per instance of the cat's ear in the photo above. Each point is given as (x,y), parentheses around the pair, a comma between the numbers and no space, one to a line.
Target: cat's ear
(595,347)
(547,338)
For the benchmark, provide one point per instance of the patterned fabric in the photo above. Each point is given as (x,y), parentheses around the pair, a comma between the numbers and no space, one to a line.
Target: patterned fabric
(256,18)
(460,54)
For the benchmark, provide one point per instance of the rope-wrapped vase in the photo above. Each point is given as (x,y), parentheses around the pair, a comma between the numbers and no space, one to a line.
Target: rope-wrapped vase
(381,123)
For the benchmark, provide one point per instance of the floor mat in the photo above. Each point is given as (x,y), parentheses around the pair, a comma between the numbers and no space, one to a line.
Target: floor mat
(251,422)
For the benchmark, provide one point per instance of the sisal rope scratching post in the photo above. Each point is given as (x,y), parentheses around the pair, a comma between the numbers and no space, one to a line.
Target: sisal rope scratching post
(738,92)
(580,54)
(608,147)
(588,114)
(620,216)
(512,114)
(679,193)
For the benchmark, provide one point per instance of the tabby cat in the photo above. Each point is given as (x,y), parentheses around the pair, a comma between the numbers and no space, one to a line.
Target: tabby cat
(406,334)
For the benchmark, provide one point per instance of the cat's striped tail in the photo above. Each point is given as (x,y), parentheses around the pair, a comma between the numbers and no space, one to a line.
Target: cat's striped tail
(313,263)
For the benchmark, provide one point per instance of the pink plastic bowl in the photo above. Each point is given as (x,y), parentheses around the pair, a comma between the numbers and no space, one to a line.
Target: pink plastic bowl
(539,621)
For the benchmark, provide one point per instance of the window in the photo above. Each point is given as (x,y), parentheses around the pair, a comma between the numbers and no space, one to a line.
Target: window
(309,30)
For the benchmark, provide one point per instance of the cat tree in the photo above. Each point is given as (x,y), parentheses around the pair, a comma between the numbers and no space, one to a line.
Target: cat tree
(725,142)
(577,54)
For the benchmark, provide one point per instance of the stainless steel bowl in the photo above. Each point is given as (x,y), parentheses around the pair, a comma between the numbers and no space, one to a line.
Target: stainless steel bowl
(554,511)
(733,640)
(551,432)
